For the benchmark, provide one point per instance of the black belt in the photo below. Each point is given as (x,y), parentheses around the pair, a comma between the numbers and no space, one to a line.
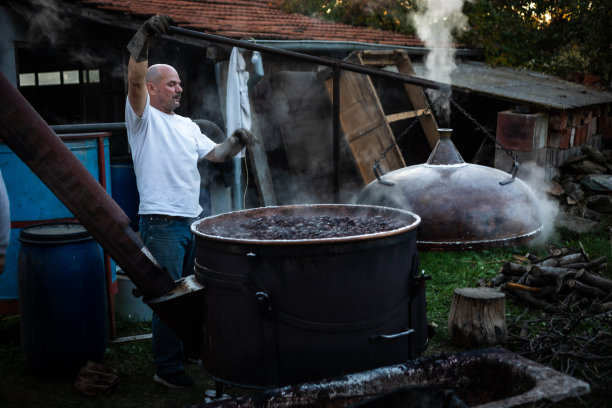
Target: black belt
(169,217)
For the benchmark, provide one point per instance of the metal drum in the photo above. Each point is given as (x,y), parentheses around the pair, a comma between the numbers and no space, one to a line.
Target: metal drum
(283,310)
(62,298)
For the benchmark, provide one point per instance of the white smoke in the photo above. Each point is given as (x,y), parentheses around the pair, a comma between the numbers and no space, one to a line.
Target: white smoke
(436,22)
(48,24)
(534,176)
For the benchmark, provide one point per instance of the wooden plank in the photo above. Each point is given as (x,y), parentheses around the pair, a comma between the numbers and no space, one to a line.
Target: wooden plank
(378,58)
(418,99)
(380,62)
(394,117)
(261,170)
(364,123)
(362,117)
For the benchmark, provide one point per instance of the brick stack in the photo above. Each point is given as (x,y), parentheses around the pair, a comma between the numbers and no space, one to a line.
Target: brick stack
(572,129)
(550,138)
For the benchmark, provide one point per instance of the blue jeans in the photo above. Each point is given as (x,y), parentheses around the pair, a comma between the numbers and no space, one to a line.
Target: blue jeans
(172,245)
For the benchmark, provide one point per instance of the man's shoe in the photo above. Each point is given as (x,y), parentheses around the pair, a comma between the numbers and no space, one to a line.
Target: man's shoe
(174,380)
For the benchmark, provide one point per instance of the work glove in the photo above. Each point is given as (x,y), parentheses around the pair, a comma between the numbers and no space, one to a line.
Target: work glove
(238,140)
(243,136)
(140,42)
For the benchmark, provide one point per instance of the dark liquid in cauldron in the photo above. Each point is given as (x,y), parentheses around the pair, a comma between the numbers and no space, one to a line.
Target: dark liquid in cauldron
(296,227)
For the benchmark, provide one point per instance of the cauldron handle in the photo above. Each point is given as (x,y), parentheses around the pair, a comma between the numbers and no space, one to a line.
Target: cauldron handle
(268,322)
(514,171)
(263,300)
(391,336)
(378,172)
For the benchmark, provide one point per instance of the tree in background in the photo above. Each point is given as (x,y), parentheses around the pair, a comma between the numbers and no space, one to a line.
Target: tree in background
(557,37)
(553,36)
(381,14)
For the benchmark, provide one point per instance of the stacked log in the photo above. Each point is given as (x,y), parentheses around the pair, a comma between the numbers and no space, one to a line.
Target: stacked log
(565,279)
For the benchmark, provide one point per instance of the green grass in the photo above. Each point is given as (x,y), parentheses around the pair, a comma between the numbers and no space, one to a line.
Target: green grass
(132,360)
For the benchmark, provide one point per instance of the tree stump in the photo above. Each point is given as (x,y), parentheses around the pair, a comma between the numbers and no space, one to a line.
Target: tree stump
(477,317)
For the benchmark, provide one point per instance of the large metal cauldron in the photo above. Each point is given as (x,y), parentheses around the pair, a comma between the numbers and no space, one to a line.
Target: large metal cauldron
(462,206)
(285,311)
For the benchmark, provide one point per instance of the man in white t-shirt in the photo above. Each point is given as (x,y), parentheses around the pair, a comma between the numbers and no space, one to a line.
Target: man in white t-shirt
(166,148)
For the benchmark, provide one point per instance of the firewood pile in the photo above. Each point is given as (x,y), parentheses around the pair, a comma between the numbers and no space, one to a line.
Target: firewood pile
(565,279)
(570,326)
(577,343)
(584,184)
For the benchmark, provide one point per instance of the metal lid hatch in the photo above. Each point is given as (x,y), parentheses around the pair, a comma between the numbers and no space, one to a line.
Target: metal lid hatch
(462,206)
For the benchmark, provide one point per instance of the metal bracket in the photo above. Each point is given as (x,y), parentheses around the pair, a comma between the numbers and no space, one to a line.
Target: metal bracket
(421,277)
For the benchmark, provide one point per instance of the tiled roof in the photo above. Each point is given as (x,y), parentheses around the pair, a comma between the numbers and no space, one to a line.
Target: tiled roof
(259,19)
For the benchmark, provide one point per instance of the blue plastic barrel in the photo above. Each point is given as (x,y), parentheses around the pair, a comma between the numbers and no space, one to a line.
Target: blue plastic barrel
(62,298)
(32,202)
(125,190)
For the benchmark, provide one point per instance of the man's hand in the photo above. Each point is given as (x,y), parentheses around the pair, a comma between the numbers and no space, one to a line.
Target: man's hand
(242,136)
(231,146)
(139,44)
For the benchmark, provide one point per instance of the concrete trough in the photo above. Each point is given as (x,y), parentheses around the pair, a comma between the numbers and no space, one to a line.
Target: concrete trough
(489,378)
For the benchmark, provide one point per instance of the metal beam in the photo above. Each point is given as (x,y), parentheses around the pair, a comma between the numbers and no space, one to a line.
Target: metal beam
(329,62)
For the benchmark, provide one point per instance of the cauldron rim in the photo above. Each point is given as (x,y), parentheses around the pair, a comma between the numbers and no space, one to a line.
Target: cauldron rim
(457,245)
(416,221)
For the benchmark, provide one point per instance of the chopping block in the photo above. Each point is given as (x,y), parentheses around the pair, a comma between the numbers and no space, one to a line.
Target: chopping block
(477,317)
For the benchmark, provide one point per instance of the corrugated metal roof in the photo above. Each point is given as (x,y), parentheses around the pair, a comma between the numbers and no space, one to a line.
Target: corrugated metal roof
(522,86)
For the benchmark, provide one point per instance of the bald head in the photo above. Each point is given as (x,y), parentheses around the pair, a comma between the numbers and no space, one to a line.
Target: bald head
(164,87)
(157,72)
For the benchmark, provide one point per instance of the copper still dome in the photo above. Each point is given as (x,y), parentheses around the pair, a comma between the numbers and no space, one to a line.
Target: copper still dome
(462,206)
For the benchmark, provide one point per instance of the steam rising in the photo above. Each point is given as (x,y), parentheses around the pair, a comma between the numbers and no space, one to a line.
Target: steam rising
(435,22)
(47,25)
(533,175)
(52,28)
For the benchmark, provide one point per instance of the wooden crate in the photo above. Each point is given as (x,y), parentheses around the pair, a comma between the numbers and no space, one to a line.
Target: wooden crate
(364,122)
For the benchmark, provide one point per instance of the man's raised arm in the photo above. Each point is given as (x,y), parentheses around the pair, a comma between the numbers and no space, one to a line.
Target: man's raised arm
(139,55)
